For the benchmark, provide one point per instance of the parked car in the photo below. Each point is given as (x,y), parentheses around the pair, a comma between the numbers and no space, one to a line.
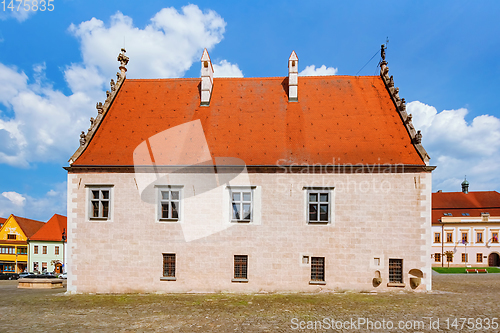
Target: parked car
(4,276)
(25,274)
(13,276)
(63,275)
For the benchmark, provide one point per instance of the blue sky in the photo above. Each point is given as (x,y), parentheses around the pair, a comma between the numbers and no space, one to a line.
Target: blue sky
(55,65)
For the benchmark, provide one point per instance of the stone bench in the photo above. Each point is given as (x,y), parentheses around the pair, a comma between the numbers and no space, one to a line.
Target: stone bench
(40,283)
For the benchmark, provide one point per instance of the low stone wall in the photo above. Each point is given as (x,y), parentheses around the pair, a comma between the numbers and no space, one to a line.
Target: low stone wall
(40,283)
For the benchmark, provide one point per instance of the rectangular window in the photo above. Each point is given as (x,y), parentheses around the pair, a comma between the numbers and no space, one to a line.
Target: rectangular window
(449,259)
(396,270)
(22,250)
(479,257)
(240,266)
(241,205)
(318,205)
(449,237)
(169,264)
(464,257)
(464,237)
(56,250)
(44,250)
(170,201)
(317,268)
(100,202)
(494,237)
(35,249)
(44,266)
(35,266)
(479,237)
(7,250)
(11,236)
(437,237)
(437,257)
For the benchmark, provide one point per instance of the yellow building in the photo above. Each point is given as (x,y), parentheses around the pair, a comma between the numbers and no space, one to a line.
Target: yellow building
(14,237)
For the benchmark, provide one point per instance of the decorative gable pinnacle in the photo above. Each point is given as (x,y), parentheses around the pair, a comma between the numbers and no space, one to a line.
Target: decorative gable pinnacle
(207,79)
(400,103)
(103,108)
(293,77)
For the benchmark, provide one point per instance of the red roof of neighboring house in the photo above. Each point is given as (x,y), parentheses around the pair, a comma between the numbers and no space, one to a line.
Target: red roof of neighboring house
(458,203)
(29,227)
(52,230)
(338,119)
(2,221)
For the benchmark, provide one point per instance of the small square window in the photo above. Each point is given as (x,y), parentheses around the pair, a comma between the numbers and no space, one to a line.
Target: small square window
(11,236)
(100,203)
(169,203)
(317,268)
(318,206)
(241,205)
(376,261)
(305,259)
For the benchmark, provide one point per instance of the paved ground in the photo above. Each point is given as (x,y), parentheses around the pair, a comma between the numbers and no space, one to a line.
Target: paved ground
(454,296)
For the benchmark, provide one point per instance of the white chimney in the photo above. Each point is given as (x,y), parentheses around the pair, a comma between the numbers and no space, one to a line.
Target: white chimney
(207,78)
(293,77)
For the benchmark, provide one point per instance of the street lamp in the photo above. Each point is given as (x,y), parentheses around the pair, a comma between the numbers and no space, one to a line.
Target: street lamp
(63,238)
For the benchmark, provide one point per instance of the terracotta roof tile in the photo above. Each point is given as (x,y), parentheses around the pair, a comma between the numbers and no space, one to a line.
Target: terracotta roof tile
(29,227)
(52,230)
(338,119)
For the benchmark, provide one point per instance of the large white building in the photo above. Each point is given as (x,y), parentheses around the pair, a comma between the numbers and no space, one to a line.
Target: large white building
(467,224)
(250,184)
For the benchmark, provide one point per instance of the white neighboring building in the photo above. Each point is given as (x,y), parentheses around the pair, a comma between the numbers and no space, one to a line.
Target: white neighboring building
(47,247)
(250,184)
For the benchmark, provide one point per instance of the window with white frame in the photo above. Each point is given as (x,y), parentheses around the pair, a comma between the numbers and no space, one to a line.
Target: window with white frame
(319,205)
(100,203)
(241,204)
(169,203)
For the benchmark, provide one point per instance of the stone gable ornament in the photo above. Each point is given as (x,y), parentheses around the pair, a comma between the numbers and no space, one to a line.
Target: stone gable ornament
(82,138)
(122,58)
(113,85)
(92,121)
(418,137)
(99,107)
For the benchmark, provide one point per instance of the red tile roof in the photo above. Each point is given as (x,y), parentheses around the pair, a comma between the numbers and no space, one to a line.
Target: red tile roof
(457,203)
(2,221)
(29,227)
(338,119)
(52,230)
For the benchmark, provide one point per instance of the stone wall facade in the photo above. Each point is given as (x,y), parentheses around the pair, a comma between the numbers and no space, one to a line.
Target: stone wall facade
(374,217)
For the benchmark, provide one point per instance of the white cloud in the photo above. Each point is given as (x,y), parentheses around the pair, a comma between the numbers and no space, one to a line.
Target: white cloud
(323,70)
(167,47)
(37,208)
(15,198)
(39,123)
(458,147)
(226,69)
(20,15)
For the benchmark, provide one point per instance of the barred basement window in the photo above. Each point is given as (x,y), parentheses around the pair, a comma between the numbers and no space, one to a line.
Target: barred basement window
(169,264)
(100,202)
(240,266)
(396,270)
(317,269)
